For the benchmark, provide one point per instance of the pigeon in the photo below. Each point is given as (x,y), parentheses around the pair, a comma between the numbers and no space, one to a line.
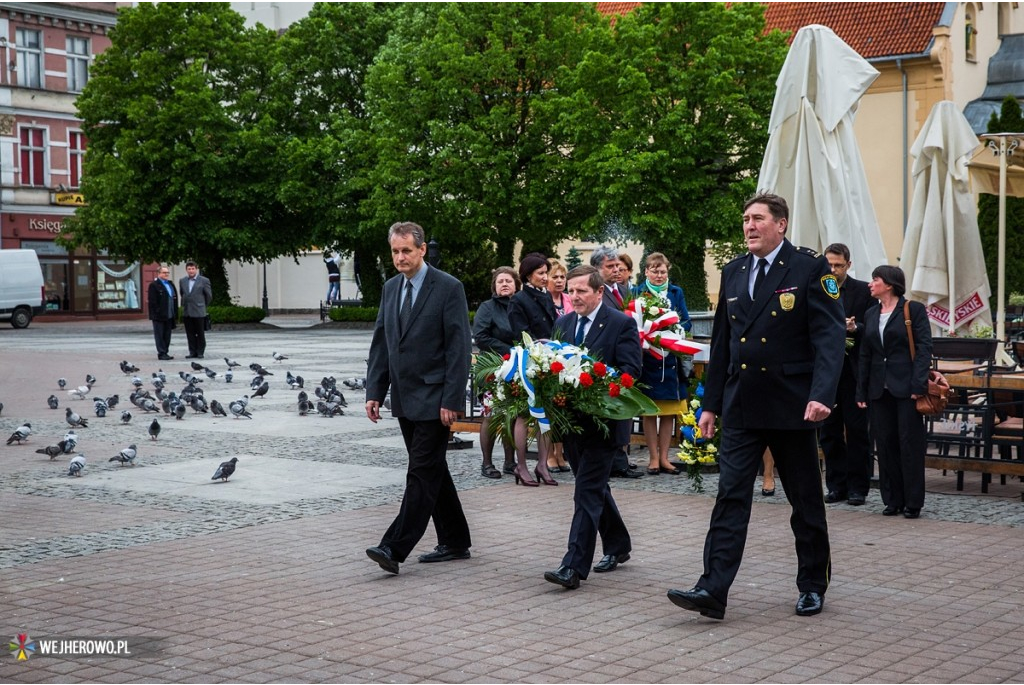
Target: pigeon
(262,390)
(225,470)
(228,376)
(156,383)
(354,383)
(259,370)
(278,357)
(21,435)
(160,375)
(148,405)
(126,416)
(101,407)
(126,456)
(128,369)
(294,382)
(210,373)
(137,382)
(79,393)
(76,465)
(198,404)
(154,429)
(256,382)
(112,401)
(90,379)
(305,406)
(70,442)
(217,408)
(1,407)
(74,420)
(237,408)
(196,366)
(52,402)
(52,451)
(179,411)
(62,382)
(231,363)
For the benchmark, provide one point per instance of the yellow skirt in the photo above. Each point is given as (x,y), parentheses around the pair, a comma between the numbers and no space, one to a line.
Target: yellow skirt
(671,407)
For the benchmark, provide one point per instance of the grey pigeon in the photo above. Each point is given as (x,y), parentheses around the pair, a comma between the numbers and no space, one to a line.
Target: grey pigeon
(210,373)
(354,383)
(113,400)
(101,407)
(179,411)
(256,382)
(126,416)
(237,408)
(148,405)
(52,451)
(76,465)
(21,435)
(295,382)
(90,379)
(70,442)
(52,402)
(128,369)
(231,363)
(154,429)
(196,366)
(225,470)
(74,420)
(198,404)
(136,382)
(217,408)
(61,382)
(259,370)
(126,456)
(262,390)
(228,376)
(278,357)
(1,407)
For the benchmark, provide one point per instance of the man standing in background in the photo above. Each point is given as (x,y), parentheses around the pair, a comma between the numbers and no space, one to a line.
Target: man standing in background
(196,294)
(163,310)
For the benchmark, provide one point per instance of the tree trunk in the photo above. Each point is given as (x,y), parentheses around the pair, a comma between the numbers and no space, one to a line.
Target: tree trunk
(213,267)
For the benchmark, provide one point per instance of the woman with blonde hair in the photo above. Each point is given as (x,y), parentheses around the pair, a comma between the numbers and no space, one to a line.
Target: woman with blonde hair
(563,305)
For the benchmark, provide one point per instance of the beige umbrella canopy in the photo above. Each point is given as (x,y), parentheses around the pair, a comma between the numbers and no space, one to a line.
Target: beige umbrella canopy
(942,255)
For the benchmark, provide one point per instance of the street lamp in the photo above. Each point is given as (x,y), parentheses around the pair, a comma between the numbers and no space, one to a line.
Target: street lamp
(266,300)
(434,253)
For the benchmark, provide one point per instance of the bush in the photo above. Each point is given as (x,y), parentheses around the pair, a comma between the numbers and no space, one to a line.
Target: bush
(353,314)
(233,314)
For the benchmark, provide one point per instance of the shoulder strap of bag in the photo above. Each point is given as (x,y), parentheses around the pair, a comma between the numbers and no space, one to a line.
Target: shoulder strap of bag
(910,332)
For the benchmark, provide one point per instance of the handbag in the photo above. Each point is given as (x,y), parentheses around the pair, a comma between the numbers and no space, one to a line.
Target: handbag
(934,401)
(207,324)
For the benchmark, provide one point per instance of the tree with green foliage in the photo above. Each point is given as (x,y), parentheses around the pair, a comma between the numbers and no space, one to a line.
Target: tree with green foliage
(463,100)
(183,160)
(1009,119)
(319,102)
(573,258)
(672,124)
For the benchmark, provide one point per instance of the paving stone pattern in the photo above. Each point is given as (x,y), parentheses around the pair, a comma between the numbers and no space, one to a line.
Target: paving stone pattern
(248,589)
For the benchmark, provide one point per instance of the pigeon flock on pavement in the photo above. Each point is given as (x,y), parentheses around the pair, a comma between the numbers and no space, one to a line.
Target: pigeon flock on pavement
(190,400)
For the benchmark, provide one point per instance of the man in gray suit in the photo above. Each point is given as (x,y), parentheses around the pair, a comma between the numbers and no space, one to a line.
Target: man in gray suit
(421,349)
(196,294)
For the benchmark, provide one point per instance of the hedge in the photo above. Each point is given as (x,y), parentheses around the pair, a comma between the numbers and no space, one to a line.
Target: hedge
(233,314)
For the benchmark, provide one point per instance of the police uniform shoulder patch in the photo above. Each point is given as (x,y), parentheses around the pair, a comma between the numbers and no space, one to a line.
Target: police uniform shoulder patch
(808,251)
(831,286)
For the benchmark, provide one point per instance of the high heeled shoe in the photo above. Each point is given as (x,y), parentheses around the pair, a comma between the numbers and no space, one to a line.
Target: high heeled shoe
(545,477)
(523,478)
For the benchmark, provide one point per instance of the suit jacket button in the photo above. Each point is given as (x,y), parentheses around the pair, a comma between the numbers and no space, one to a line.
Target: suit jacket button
(743,340)
(734,317)
(763,368)
(743,366)
(764,340)
(775,314)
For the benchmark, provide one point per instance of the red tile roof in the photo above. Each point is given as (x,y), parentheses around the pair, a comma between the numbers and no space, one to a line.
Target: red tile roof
(873,29)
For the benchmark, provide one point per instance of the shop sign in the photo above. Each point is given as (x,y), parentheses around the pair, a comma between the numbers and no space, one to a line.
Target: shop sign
(48,225)
(73,199)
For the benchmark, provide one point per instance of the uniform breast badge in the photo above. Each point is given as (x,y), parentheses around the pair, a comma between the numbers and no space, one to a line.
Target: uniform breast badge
(787,301)
(831,286)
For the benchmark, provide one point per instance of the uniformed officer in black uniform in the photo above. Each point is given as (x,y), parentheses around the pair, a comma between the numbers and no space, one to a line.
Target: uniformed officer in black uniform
(775,359)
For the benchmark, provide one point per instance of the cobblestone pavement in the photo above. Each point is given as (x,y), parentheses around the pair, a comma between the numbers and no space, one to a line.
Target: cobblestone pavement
(264,579)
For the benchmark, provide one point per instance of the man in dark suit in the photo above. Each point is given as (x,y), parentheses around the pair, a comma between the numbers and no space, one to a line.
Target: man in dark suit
(196,295)
(606,260)
(421,349)
(162,301)
(612,337)
(844,435)
(776,354)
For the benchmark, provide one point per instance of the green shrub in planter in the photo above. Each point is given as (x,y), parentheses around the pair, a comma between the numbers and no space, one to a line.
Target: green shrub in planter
(233,314)
(353,314)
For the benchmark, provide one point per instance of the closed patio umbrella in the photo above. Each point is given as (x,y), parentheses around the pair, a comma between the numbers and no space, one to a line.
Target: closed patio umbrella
(942,255)
(812,158)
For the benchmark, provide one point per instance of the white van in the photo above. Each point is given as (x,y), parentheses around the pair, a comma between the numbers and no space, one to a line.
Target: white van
(21,287)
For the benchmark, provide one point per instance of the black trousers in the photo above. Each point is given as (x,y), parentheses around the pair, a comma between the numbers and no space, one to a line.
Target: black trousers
(594,509)
(429,493)
(162,335)
(196,334)
(796,457)
(899,432)
(844,440)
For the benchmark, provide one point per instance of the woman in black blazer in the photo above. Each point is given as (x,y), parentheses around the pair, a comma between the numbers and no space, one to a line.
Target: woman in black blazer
(889,383)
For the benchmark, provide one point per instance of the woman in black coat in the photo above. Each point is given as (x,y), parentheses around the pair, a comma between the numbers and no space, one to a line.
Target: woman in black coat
(889,384)
(492,332)
(532,311)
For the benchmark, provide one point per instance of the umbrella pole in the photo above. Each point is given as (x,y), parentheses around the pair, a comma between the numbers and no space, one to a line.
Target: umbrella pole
(1001,269)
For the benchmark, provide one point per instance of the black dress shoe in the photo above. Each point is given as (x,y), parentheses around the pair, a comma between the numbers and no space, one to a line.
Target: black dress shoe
(856,500)
(767,493)
(444,553)
(609,562)
(628,473)
(564,576)
(190,356)
(164,357)
(891,510)
(809,604)
(912,513)
(698,599)
(833,497)
(382,555)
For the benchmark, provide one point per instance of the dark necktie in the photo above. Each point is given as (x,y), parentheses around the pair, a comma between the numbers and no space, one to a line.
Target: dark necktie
(762,267)
(406,312)
(581,330)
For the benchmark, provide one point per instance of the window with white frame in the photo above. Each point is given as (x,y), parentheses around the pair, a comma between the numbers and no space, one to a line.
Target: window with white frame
(78,63)
(30,58)
(33,157)
(76,152)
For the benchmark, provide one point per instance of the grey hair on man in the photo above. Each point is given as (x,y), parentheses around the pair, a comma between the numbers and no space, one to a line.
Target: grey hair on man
(600,254)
